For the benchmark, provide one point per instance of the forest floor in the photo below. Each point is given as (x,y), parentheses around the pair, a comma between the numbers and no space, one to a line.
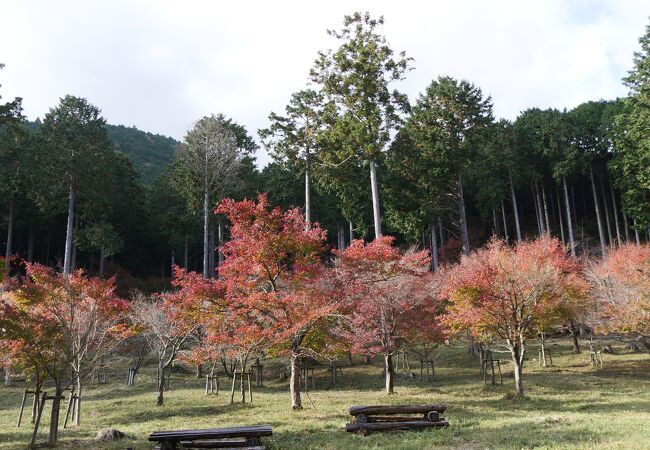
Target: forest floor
(571,406)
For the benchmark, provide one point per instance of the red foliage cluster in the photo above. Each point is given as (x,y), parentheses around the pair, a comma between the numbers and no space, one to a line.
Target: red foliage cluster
(621,285)
(391,297)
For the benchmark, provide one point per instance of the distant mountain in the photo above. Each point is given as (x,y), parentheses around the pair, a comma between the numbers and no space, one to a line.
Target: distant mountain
(148,152)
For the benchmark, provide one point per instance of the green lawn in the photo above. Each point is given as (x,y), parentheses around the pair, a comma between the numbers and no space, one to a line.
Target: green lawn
(571,405)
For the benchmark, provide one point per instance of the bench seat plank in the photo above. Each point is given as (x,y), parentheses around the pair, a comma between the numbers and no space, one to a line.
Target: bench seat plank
(393,426)
(396,409)
(212,433)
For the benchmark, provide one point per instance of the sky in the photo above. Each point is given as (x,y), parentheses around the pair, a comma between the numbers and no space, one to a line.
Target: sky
(161,65)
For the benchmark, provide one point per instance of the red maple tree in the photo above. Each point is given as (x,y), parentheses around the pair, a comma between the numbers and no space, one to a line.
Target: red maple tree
(63,326)
(390,298)
(276,290)
(620,283)
(501,292)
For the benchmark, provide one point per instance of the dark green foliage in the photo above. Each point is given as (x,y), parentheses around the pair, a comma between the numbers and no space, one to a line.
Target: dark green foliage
(148,152)
(632,159)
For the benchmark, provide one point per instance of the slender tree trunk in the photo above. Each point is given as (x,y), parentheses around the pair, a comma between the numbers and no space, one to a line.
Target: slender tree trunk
(619,236)
(546,216)
(294,382)
(636,233)
(505,222)
(341,237)
(463,219)
(559,214)
(220,240)
(434,244)
(515,210)
(308,195)
(186,253)
(10,229)
(569,219)
(77,410)
(538,209)
(351,233)
(517,353)
(211,251)
(161,384)
(102,257)
(390,374)
(442,232)
(626,226)
(54,417)
(67,256)
(573,330)
(601,232)
(495,223)
(30,244)
(603,194)
(7,375)
(206,231)
(374,187)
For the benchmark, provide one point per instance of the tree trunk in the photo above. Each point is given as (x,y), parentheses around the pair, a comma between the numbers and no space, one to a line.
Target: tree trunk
(199,371)
(546,216)
(308,194)
(573,329)
(341,237)
(559,215)
(30,244)
(603,194)
(505,222)
(517,353)
(102,257)
(374,187)
(206,231)
(186,253)
(211,251)
(294,382)
(636,233)
(569,220)
(351,233)
(626,226)
(7,375)
(67,256)
(515,210)
(538,209)
(542,342)
(161,385)
(619,236)
(601,231)
(434,245)
(220,242)
(495,224)
(463,219)
(54,417)
(390,374)
(77,409)
(519,382)
(10,229)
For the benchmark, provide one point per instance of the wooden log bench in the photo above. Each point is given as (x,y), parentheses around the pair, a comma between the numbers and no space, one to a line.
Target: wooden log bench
(213,438)
(395,417)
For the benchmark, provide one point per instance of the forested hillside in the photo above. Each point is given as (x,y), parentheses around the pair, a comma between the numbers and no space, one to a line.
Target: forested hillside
(149,153)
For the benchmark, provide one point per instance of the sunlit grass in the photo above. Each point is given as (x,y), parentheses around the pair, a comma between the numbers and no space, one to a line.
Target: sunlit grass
(571,405)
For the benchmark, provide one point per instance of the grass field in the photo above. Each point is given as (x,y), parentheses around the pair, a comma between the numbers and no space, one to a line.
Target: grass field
(571,405)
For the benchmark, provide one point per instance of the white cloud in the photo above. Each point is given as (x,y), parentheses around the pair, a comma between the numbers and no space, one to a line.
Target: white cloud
(160,65)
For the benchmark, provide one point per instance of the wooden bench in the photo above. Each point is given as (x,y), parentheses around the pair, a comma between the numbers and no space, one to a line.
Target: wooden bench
(213,438)
(391,418)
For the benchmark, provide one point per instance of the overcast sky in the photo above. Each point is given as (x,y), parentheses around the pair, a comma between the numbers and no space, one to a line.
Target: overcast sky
(161,65)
